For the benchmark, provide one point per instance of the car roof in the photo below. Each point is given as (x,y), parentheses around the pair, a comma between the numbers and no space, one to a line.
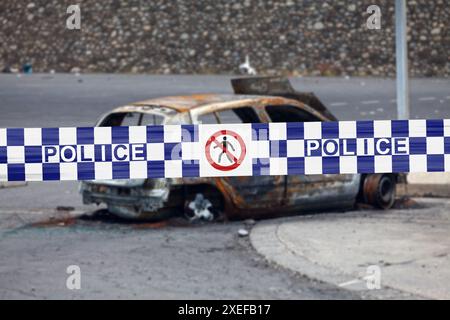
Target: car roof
(185,103)
(167,106)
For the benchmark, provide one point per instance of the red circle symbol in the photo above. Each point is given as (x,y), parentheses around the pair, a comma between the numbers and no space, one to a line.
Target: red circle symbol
(236,161)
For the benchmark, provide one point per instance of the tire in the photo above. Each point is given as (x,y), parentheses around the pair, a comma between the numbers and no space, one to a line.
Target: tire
(379,190)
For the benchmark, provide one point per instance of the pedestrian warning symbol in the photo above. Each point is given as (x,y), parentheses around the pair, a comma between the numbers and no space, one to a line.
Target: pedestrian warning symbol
(225,150)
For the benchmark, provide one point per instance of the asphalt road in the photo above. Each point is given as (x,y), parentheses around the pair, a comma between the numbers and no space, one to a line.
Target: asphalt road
(127,261)
(66,100)
(139,262)
(171,260)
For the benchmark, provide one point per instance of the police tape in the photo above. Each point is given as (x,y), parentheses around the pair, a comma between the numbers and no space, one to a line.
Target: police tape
(221,150)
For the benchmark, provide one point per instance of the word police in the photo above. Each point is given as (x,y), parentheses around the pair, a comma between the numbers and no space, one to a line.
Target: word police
(90,153)
(353,147)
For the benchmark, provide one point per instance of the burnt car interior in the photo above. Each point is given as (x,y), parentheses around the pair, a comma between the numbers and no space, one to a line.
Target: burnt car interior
(286,113)
(245,114)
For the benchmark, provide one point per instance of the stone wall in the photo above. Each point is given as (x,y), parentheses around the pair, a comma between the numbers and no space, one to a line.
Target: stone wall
(308,37)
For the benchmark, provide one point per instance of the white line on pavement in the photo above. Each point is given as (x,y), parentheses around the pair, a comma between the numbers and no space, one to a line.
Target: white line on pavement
(348,283)
(427,99)
(371,102)
(338,104)
(43,211)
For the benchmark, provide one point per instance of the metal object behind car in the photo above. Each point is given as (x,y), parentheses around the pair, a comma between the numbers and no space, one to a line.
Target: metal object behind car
(279,86)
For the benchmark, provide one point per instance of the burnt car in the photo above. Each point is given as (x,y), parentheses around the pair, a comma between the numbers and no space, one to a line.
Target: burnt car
(256,100)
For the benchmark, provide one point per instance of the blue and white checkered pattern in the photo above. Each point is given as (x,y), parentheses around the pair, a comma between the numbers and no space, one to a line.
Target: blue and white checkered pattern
(352,147)
(171,151)
(37,154)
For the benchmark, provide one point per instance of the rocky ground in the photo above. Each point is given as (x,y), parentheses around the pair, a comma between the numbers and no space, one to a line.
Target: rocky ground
(214,36)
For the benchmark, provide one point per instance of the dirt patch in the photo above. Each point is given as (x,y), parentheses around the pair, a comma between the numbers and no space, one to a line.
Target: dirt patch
(404,202)
(407,203)
(106,218)
(55,222)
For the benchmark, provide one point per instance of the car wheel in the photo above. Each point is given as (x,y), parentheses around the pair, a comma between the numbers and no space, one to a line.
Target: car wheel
(199,208)
(380,190)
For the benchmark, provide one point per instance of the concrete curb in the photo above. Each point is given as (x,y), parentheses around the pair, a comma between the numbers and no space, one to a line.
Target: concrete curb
(264,238)
(432,184)
(338,248)
(12,184)
(424,190)
(437,178)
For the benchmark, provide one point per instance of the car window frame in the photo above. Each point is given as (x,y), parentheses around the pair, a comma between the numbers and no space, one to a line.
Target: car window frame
(292,103)
(165,117)
(196,114)
(213,113)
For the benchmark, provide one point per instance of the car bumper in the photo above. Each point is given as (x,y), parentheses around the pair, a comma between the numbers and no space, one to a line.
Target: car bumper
(125,201)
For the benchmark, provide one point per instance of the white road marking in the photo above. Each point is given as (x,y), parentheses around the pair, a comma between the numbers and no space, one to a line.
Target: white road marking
(427,99)
(371,102)
(38,212)
(355,281)
(348,283)
(393,100)
(338,104)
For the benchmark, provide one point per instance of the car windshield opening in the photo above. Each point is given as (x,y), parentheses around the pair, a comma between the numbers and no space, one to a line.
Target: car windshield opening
(131,119)
(238,115)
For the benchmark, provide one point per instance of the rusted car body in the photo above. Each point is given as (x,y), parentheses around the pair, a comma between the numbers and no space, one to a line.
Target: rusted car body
(272,100)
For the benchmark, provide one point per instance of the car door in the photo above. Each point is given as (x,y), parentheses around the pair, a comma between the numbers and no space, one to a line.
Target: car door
(313,191)
(249,192)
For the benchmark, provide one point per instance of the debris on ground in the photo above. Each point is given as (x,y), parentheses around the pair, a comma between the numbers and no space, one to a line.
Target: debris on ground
(9,69)
(27,68)
(151,225)
(103,218)
(243,233)
(55,222)
(65,208)
(406,202)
